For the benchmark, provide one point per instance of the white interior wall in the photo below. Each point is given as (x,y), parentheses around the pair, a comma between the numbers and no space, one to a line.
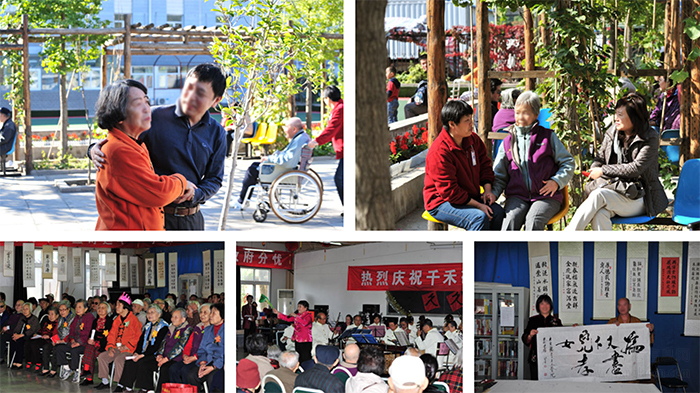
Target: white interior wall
(320,277)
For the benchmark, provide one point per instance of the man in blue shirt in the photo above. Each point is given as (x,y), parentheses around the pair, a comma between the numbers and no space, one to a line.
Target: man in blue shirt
(288,157)
(184,139)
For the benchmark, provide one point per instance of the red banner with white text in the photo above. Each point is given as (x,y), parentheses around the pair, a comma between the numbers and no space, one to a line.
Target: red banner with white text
(264,259)
(433,277)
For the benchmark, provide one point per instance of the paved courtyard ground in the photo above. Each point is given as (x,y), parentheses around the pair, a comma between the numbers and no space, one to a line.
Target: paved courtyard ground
(33,203)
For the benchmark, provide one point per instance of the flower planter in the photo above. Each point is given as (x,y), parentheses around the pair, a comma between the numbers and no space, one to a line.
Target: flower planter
(407,178)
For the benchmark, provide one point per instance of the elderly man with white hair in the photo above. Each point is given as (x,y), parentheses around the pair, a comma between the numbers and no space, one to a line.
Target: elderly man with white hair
(289,364)
(288,157)
(138,306)
(407,375)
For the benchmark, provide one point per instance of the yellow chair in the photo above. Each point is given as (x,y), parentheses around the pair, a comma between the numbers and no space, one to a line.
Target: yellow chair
(259,134)
(426,214)
(270,137)
(563,210)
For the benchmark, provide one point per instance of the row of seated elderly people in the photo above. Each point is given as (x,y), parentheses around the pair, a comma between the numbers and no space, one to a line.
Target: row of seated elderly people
(357,370)
(188,348)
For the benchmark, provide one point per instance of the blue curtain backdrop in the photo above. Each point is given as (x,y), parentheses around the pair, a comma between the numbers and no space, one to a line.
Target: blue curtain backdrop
(189,260)
(507,262)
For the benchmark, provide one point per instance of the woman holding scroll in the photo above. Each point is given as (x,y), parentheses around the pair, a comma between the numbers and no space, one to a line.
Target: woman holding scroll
(544,318)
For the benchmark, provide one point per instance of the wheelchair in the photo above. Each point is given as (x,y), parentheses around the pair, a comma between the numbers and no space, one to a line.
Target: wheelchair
(293,195)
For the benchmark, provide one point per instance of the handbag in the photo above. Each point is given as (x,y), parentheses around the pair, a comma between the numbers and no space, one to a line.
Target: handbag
(632,189)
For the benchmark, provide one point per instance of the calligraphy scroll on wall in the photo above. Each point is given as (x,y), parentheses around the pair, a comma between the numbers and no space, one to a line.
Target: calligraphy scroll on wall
(123,271)
(76,259)
(8,262)
(206,273)
(47,261)
(110,266)
(571,283)
(219,275)
(670,277)
(595,353)
(160,268)
(540,272)
(134,273)
(636,281)
(28,265)
(62,264)
(604,278)
(692,299)
(149,271)
(95,280)
(172,272)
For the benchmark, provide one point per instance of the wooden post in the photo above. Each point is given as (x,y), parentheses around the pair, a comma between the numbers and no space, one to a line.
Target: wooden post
(544,31)
(127,46)
(28,164)
(690,95)
(437,87)
(103,66)
(484,64)
(613,44)
(309,104)
(529,48)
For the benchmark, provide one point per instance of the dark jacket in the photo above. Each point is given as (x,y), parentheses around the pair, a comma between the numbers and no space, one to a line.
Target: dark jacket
(536,322)
(8,131)
(30,326)
(640,160)
(102,334)
(80,329)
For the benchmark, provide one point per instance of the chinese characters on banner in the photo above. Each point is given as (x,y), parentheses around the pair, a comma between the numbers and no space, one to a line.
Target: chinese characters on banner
(430,301)
(206,273)
(123,271)
(432,277)
(692,292)
(160,262)
(219,276)
(669,277)
(8,262)
(77,259)
(150,272)
(636,279)
(540,279)
(455,300)
(271,260)
(62,264)
(94,268)
(134,272)
(28,265)
(47,262)
(110,267)
(594,353)
(571,288)
(606,277)
(172,272)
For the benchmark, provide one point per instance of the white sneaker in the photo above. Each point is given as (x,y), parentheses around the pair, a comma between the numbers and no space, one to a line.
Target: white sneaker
(66,374)
(237,206)
(76,377)
(9,164)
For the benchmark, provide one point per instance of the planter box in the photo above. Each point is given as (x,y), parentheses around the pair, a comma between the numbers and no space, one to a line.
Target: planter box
(407,179)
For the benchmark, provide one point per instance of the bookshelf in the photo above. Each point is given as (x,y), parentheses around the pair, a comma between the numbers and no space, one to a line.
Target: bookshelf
(500,316)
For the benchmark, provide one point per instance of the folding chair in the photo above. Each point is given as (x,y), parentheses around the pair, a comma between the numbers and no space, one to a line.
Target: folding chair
(671,382)
(272,384)
(686,209)
(343,374)
(299,389)
(156,377)
(562,210)
(442,386)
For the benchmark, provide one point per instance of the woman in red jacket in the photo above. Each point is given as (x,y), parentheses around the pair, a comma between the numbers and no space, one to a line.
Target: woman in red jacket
(129,194)
(456,166)
(302,329)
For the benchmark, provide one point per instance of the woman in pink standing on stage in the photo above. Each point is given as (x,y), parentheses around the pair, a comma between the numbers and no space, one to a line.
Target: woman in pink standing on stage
(302,329)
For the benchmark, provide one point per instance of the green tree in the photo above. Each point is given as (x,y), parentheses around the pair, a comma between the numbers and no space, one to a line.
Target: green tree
(269,47)
(61,54)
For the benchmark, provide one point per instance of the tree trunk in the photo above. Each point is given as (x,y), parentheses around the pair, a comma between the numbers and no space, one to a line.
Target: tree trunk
(529,48)
(374,207)
(484,63)
(690,97)
(63,91)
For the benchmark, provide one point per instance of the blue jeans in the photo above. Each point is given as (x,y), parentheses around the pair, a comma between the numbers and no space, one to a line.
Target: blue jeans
(469,218)
(392,111)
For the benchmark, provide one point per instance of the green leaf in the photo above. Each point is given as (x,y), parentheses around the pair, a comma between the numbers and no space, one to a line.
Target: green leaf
(679,76)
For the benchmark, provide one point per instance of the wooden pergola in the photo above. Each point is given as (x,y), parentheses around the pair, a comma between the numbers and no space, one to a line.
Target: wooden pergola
(135,39)
(675,40)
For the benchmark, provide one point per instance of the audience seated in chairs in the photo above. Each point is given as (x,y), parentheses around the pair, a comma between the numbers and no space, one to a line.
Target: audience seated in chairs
(407,374)
(256,344)
(350,356)
(140,368)
(189,353)
(47,330)
(453,377)
(210,356)
(319,376)
(78,336)
(26,327)
(370,367)
(139,309)
(121,342)
(101,325)
(7,328)
(289,364)
(273,353)
(247,378)
(172,348)
(431,367)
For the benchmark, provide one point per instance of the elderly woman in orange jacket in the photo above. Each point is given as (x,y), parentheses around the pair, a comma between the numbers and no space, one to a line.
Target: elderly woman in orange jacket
(129,194)
(121,341)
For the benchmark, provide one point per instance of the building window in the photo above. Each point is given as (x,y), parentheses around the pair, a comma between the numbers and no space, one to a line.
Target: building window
(168,77)
(254,282)
(49,81)
(35,78)
(143,74)
(119,21)
(175,20)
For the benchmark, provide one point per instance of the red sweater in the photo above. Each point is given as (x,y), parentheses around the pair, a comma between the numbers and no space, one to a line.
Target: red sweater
(128,193)
(334,130)
(450,174)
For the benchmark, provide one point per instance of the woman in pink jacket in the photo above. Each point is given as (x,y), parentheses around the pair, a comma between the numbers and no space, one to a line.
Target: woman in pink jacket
(302,329)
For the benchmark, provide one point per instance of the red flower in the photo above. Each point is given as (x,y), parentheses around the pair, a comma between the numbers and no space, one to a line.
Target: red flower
(415,129)
(403,145)
(393,147)
(407,135)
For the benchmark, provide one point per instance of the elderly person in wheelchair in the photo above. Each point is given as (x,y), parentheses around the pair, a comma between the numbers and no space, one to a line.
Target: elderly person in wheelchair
(294,193)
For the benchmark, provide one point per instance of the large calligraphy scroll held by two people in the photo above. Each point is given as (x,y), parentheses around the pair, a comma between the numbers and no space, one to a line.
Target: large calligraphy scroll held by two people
(594,353)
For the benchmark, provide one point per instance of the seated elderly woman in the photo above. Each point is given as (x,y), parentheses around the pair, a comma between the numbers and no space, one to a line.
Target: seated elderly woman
(27,326)
(140,368)
(189,353)
(625,175)
(210,356)
(456,166)
(67,315)
(128,193)
(98,340)
(532,166)
(506,115)
(76,341)
(48,329)
(172,348)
